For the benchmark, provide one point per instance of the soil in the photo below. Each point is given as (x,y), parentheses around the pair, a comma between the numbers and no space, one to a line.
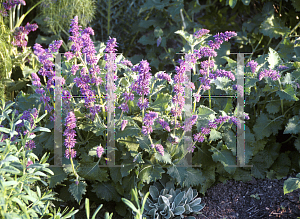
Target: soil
(233,200)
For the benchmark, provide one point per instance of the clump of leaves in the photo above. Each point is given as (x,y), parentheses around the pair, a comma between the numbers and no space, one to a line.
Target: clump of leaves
(166,202)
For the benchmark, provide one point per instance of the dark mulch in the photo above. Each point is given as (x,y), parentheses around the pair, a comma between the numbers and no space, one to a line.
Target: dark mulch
(232,200)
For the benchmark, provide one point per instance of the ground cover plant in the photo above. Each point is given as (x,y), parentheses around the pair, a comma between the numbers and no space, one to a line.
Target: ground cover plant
(149,121)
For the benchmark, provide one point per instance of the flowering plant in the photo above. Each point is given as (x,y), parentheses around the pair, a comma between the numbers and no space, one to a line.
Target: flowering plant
(149,122)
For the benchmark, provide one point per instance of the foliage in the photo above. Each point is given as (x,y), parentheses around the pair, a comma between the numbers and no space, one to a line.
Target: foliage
(272,105)
(166,202)
(54,18)
(20,193)
(138,212)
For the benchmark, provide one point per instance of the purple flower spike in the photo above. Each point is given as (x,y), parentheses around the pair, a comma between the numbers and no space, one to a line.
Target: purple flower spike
(201,32)
(198,137)
(124,124)
(70,133)
(99,151)
(253,64)
(273,74)
(160,149)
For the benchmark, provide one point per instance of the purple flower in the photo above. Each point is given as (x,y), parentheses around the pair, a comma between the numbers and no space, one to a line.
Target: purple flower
(53,48)
(253,64)
(29,163)
(164,124)
(128,96)
(70,133)
(69,55)
(69,152)
(124,107)
(178,88)
(35,80)
(219,38)
(224,73)
(146,130)
(205,52)
(158,41)
(74,68)
(236,121)
(123,125)
(111,44)
(21,32)
(163,76)
(126,62)
(197,96)
(141,86)
(205,130)
(239,88)
(282,67)
(160,149)
(143,105)
(273,74)
(30,144)
(148,122)
(212,124)
(201,32)
(222,119)
(11,3)
(190,122)
(99,151)
(198,137)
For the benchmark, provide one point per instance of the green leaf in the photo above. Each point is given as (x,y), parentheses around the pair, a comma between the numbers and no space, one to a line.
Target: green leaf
(58,177)
(231,3)
(91,171)
(147,40)
(214,135)
(150,173)
(273,58)
(127,132)
(203,111)
(177,173)
(158,32)
(188,37)
(297,144)
(130,143)
(27,71)
(246,2)
(5,130)
(106,191)
(293,126)
(225,157)
(41,129)
(128,167)
(282,166)
(45,40)
(290,185)
(296,5)
(9,169)
(264,127)
(264,159)
(288,93)
(161,102)
(164,159)
(193,177)
(273,27)
(78,190)
(273,107)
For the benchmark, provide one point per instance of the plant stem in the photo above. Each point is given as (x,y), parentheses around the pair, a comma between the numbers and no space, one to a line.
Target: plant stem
(287,35)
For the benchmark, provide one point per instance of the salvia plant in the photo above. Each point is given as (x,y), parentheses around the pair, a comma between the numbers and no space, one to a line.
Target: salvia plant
(149,121)
(23,187)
